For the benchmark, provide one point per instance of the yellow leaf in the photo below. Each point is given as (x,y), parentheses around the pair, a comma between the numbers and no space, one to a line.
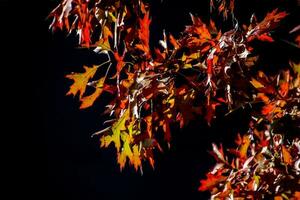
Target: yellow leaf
(106,32)
(81,80)
(89,100)
(103,43)
(116,129)
(136,160)
(187,66)
(244,147)
(295,66)
(113,18)
(183,57)
(256,84)
(125,151)
(194,56)
(106,140)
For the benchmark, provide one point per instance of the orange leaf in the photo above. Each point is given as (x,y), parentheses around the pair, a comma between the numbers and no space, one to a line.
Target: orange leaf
(174,42)
(297,195)
(142,47)
(284,88)
(278,198)
(211,181)
(286,155)
(268,109)
(120,62)
(270,22)
(263,97)
(81,80)
(144,32)
(89,100)
(135,160)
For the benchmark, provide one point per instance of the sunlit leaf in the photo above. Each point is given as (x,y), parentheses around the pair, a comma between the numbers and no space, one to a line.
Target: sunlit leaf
(81,80)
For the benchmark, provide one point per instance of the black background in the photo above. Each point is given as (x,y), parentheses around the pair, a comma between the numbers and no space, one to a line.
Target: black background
(58,159)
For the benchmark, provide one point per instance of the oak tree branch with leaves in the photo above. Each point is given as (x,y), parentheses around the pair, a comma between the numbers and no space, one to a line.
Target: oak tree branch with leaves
(151,88)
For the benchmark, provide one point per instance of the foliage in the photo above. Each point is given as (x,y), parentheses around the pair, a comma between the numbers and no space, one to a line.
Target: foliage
(266,162)
(153,87)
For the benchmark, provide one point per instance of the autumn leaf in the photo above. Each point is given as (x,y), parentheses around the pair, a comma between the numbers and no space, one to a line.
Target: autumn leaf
(287,158)
(244,146)
(116,129)
(174,42)
(156,88)
(210,111)
(211,181)
(126,151)
(295,67)
(120,62)
(263,97)
(256,83)
(88,101)
(103,43)
(60,15)
(81,80)
(270,22)
(297,195)
(278,198)
(267,109)
(86,34)
(144,33)
(135,159)
(265,38)
(284,89)
(200,29)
